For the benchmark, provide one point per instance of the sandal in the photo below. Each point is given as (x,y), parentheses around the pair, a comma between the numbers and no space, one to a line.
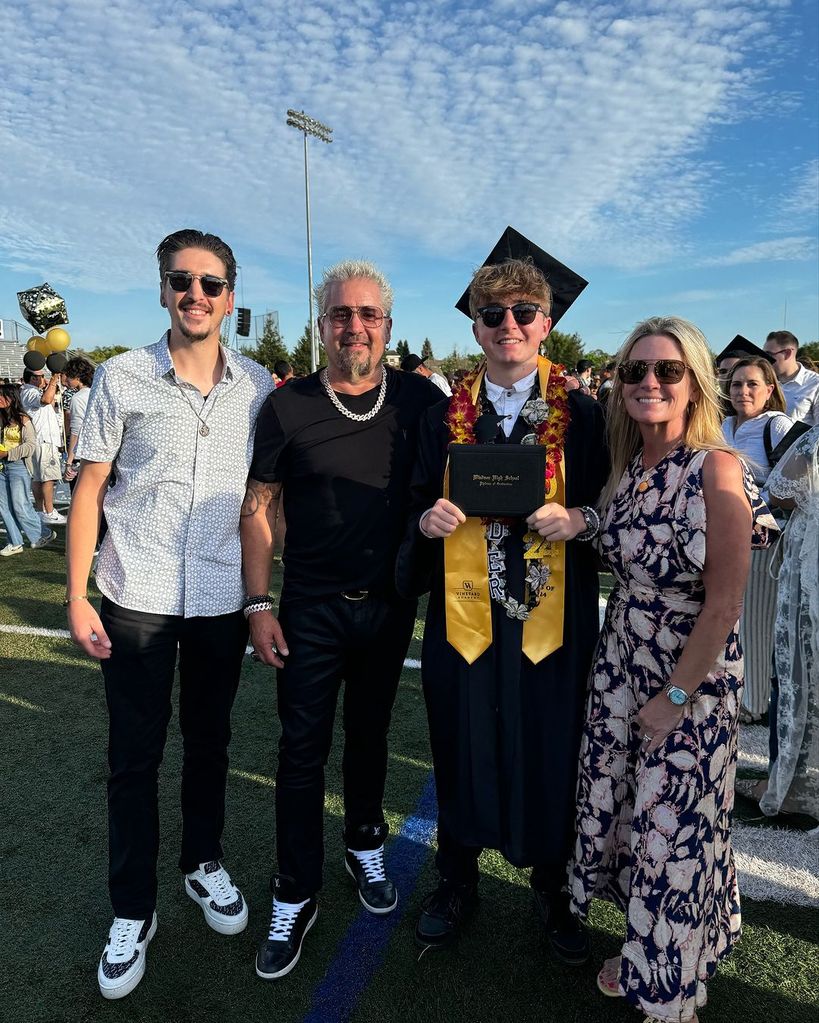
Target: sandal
(609,984)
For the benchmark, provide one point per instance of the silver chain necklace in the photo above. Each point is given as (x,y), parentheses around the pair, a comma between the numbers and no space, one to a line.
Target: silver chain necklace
(358,418)
(204,429)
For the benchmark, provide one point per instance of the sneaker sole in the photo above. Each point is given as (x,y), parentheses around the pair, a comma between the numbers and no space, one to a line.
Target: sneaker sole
(290,966)
(366,905)
(218,923)
(134,978)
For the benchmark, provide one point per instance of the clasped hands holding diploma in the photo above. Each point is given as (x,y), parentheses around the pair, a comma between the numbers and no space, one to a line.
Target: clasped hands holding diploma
(658,717)
(552,521)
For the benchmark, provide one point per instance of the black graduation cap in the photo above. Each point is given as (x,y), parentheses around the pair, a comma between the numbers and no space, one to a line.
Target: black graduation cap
(742,348)
(566,285)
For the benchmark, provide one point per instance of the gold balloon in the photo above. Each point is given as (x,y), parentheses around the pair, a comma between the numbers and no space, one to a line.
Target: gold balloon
(58,339)
(42,345)
(32,342)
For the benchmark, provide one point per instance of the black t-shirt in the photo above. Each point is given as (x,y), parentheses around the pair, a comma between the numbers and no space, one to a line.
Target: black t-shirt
(345,483)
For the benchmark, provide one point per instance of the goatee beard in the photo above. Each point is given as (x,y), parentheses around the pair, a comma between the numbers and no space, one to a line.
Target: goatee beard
(355,366)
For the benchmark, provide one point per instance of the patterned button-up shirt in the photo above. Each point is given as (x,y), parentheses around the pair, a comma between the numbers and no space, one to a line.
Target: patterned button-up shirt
(172,545)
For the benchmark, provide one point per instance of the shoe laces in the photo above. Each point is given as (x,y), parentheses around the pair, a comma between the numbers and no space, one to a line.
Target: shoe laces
(372,861)
(283,919)
(123,938)
(218,883)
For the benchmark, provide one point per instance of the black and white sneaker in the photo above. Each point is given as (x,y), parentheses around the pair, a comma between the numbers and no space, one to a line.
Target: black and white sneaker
(289,923)
(122,964)
(222,903)
(366,868)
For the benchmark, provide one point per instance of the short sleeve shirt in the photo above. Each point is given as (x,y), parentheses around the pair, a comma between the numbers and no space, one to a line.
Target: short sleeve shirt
(345,483)
(180,465)
(802,396)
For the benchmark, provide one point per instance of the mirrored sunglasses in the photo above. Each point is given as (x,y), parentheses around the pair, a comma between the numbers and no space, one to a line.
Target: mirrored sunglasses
(181,280)
(370,315)
(667,371)
(524,313)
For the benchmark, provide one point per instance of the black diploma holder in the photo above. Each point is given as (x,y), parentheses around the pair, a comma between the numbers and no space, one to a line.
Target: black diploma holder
(497,480)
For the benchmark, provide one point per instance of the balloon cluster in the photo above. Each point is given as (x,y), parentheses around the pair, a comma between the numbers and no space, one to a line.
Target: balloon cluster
(48,350)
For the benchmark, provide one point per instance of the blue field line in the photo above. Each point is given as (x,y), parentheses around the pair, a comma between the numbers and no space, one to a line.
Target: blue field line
(362,949)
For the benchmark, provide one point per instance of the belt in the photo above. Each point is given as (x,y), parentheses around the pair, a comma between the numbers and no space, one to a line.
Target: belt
(355,594)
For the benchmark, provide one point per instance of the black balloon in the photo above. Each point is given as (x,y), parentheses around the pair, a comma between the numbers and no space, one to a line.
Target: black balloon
(56,362)
(34,360)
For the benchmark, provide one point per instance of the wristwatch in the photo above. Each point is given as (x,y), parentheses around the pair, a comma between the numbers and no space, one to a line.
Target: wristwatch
(679,697)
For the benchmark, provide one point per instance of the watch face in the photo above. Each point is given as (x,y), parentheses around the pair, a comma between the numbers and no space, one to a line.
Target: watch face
(677,696)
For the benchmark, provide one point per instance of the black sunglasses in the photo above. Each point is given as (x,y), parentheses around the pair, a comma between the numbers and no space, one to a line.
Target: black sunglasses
(524,313)
(181,280)
(370,315)
(667,371)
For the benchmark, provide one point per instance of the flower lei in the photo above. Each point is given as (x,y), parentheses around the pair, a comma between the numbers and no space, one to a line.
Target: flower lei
(549,418)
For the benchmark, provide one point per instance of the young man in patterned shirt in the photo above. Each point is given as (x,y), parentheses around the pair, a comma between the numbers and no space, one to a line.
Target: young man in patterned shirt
(174,420)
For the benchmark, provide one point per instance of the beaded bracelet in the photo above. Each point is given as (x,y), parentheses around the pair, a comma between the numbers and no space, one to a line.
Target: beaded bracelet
(591,531)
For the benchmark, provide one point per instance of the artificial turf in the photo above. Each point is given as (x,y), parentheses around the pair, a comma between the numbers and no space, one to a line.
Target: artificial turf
(56,914)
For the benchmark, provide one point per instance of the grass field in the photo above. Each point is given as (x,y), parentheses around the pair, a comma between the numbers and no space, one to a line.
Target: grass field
(55,911)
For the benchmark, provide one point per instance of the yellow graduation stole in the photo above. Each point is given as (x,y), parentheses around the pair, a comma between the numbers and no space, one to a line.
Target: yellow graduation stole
(466,573)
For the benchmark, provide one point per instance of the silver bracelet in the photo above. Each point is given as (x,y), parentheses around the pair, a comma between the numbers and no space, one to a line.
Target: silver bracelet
(591,530)
(259,605)
(429,536)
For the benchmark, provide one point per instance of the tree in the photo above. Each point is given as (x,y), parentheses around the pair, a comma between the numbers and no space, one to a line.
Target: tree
(270,347)
(426,349)
(402,348)
(103,352)
(599,358)
(459,360)
(300,359)
(810,351)
(564,348)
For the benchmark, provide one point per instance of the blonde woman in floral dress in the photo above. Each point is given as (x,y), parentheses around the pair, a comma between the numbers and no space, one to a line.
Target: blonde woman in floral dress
(658,755)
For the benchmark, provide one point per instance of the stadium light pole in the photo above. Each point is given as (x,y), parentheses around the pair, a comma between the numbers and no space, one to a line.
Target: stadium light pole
(309,126)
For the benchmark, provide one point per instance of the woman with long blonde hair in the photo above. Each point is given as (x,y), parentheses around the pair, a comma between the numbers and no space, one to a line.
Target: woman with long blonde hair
(658,756)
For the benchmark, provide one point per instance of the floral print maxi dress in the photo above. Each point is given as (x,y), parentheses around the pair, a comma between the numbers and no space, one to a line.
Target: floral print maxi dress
(653,832)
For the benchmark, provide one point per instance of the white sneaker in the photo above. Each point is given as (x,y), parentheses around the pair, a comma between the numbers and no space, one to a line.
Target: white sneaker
(222,903)
(53,517)
(44,540)
(11,548)
(122,964)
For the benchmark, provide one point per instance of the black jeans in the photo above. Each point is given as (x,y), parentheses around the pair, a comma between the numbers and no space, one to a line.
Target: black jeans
(362,642)
(459,863)
(138,683)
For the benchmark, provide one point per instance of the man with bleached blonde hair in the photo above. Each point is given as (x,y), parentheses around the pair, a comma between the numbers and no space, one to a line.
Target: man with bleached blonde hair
(337,446)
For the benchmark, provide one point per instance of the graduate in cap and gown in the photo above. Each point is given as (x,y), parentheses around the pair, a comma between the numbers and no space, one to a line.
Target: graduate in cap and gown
(513,610)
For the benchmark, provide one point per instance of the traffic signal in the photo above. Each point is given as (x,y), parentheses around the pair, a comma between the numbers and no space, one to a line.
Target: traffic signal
(243,322)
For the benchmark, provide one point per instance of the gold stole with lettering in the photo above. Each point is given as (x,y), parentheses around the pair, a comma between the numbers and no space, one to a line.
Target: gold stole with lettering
(466,575)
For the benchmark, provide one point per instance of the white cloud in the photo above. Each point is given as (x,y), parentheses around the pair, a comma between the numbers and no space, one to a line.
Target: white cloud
(772,251)
(585,124)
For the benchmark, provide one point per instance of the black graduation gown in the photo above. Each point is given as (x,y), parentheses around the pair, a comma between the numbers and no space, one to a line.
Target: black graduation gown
(505,733)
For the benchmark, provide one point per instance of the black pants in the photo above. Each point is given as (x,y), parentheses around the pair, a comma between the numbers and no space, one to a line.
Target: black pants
(138,683)
(459,863)
(362,642)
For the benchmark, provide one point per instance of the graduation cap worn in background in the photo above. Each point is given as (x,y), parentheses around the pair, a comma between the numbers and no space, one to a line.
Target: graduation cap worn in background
(566,285)
(742,348)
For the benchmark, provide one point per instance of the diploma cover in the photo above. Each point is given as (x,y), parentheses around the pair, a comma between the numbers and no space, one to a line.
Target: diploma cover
(497,480)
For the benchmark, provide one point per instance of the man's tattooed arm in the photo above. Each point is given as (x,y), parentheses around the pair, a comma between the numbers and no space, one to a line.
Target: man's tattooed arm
(259,497)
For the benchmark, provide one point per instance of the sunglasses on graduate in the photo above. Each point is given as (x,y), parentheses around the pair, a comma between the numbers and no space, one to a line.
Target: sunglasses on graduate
(524,313)
(667,371)
(181,280)
(341,315)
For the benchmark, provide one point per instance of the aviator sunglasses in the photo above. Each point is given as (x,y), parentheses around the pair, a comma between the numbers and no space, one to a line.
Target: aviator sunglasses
(341,315)
(524,313)
(667,371)
(181,280)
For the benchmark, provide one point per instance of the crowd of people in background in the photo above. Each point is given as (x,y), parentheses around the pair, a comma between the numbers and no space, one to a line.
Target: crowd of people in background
(627,798)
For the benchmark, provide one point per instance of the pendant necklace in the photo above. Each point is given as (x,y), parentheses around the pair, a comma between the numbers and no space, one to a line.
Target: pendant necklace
(357,417)
(204,429)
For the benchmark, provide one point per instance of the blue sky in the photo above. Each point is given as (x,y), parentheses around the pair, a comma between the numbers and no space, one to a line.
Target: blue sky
(669,152)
